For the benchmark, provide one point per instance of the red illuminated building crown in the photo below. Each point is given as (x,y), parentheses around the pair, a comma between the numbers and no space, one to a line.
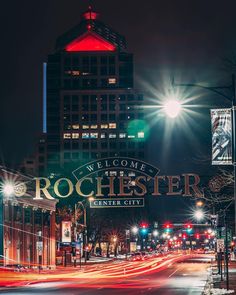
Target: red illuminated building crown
(91,35)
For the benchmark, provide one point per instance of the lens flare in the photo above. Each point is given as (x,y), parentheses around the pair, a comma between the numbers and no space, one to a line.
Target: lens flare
(172,108)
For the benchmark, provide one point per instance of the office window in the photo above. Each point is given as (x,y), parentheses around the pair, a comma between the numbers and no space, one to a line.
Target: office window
(104,126)
(112,107)
(85,107)
(85,135)
(67,135)
(104,145)
(93,107)
(85,145)
(75,145)
(94,145)
(85,126)
(75,135)
(66,155)
(104,98)
(112,135)
(94,135)
(112,145)
(75,156)
(104,117)
(111,81)
(112,117)
(94,126)
(93,117)
(75,126)
(122,135)
(141,134)
(103,107)
(112,125)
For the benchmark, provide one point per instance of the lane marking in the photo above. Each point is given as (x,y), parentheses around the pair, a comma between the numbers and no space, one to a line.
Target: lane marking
(173,273)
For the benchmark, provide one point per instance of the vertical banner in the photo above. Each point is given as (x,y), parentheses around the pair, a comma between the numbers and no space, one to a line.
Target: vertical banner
(221,126)
(66,231)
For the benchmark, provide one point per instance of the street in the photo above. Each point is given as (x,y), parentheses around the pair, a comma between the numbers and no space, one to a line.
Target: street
(170,276)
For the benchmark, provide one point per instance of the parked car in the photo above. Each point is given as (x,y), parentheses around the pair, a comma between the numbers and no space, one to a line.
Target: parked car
(17,267)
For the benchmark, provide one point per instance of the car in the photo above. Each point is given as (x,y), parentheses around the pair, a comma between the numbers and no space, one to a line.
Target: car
(17,267)
(137,256)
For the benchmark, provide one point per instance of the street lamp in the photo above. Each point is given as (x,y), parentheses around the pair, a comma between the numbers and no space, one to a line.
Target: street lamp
(7,190)
(81,203)
(172,108)
(199,214)
(220,90)
(134,230)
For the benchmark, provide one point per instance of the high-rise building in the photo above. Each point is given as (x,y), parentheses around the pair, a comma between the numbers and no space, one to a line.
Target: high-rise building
(91,108)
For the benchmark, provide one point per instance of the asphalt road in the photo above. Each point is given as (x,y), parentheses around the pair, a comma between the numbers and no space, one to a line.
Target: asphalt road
(187,277)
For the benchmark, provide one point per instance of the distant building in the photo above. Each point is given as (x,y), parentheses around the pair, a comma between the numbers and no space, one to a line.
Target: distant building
(91,109)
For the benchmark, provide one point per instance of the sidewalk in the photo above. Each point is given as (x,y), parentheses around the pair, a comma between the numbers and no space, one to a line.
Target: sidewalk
(216,286)
(232,278)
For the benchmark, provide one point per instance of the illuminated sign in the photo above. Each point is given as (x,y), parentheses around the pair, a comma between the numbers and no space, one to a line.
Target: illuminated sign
(128,178)
(111,203)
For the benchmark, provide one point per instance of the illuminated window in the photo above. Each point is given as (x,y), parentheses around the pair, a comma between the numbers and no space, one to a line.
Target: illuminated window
(104,126)
(94,135)
(141,134)
(103,135)
(122,135)
(85,126)
(94,126)
(113,173)
(111,80)
(112,135)
(72,73)
(75,126)
(85,135)
(131,136)
(66,135)
(75,135)
(112,125)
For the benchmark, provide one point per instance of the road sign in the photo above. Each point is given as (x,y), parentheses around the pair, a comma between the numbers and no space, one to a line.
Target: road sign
(220,245)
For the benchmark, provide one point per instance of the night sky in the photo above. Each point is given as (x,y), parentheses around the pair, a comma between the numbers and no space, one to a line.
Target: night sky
(189,39)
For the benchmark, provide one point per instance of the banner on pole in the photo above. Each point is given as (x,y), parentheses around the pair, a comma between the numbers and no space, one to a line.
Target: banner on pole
(221,126)
(66,231)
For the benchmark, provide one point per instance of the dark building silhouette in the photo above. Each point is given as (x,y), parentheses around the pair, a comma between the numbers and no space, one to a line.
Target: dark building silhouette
(91,108)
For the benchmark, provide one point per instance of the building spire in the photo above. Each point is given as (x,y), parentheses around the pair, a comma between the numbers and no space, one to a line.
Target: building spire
(90,14)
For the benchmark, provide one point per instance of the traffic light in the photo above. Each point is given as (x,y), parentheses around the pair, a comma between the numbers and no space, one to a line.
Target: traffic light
(168,227)
(188,227)
(144,228)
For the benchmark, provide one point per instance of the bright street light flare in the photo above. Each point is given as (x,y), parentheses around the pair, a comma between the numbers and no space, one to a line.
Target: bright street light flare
(8,189)
(172,108)
(199,214)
